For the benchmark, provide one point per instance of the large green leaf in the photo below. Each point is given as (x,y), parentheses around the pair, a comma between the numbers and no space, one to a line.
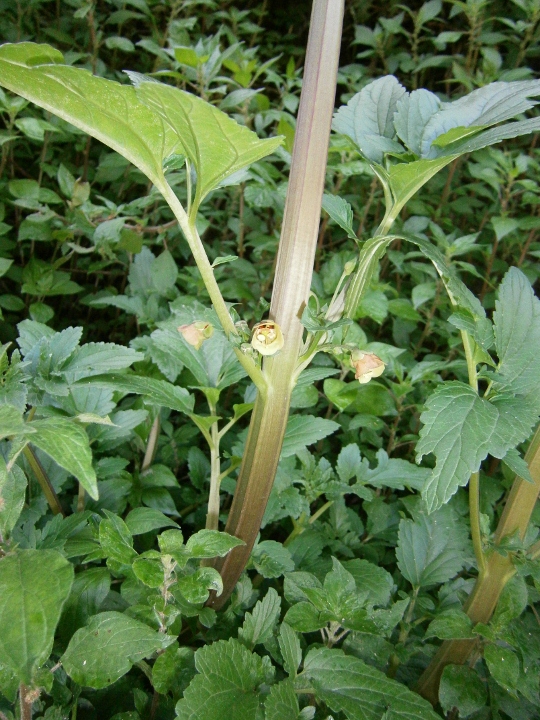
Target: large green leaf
(107,647)
(432,549)
(305,430)
(34,585)
(260,622)
(12,492)
(216,144)
(282,702)
(460,429)
(226,687)
(159,392)
(104,109)
(517,335)
(348,685)
(68,445)
(368,118)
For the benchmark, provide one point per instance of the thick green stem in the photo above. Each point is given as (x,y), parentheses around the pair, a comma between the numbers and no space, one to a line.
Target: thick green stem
(43,480)
(291,288)
(499,569)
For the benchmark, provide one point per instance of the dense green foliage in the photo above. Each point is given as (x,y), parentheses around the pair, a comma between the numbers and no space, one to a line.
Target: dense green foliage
(112,424)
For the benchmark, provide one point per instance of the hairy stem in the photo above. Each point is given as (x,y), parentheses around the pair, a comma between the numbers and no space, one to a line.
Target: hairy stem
(291,288)
(498,570)
(25,702)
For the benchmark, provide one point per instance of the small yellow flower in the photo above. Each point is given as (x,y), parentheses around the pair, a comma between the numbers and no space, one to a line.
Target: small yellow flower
(267,337)
(366,366)
(196,333)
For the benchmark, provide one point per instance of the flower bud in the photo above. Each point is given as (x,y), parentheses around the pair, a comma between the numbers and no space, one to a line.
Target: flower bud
(196,333)
(366,366)
(267,337)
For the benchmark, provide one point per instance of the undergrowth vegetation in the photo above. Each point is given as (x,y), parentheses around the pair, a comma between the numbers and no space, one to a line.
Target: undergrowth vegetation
(402,513)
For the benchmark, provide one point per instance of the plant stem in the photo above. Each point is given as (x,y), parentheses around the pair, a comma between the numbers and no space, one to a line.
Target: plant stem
(43,480)
(212,517)
(291,288)
(498,570)
(207,274)
(474,516)
(151,444)
(25,703)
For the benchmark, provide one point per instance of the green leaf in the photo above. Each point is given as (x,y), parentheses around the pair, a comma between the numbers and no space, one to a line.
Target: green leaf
(12,494)
(303,430)
(226,687)
(460,429)
(159,392)
(461,687)
(370,578)
(148,568)
(450,625)
(11,421)
(289,644)
(517,336)
(104,109)
(282,702)
(341,213)
(431,549)
(224,260)
(346,684)
(142,520)
(171,669)
(216,144)
(164,272)
(271,559)
(89,590)
(405,179)
(503,664)
(116,540)
(304,617)
(211,543)
(260,622)
(107,647)
(196,587)
(34,584)
(97,358)
(488,105)
(68,445)
(368,118)
(414,110)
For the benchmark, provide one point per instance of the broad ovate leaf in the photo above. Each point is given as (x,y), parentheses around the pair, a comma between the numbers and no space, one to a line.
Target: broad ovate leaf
(348,685)
(68,445)
(517,336)
(215,143)
(105,649)
(368,118)
(461,428)
(104,109)
(34,584)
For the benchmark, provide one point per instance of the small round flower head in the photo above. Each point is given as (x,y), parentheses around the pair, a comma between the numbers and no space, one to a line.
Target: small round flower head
(267,337)
(366,366)
(196,333)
